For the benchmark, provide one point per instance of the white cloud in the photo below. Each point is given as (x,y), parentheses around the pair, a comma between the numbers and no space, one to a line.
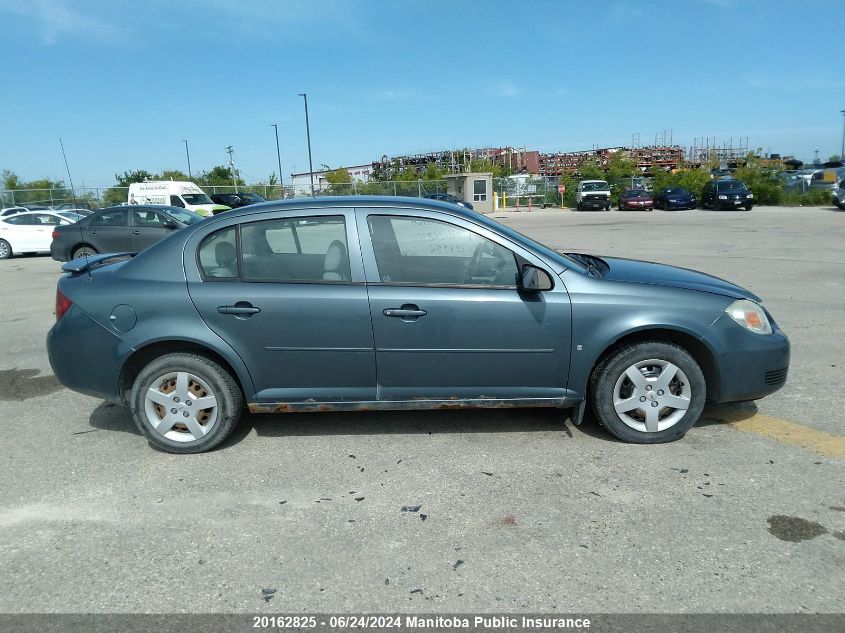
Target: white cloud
(55,19)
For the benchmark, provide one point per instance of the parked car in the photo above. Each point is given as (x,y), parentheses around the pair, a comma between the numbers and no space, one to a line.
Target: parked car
(236,200)
(117,230)
(80,206)
(672,198)
(839,195)
(828,178)
(727,194)
(359,303)
(28,232)
(592,194)
(636,199)
(448,197)
(12,211)
(70,215)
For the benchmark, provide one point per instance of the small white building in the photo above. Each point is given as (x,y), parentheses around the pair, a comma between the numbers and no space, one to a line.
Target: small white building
(301,182)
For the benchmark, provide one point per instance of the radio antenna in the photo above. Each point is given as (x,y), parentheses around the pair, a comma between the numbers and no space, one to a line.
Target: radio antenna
(73,193)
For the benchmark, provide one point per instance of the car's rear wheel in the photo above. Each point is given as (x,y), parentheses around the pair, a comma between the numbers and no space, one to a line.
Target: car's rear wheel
(83,251)
(5,249)
(185,403)
(648,392)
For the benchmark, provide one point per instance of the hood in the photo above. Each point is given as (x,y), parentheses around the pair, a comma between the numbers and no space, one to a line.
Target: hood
(636,271)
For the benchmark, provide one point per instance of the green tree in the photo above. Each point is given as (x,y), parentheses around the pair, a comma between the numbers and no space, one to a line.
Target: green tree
(217,176)
(119,192)
(834,158)
(38,191)
(176,175)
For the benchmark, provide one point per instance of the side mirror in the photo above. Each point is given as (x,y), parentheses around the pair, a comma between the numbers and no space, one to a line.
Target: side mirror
(170,224)
(534,279)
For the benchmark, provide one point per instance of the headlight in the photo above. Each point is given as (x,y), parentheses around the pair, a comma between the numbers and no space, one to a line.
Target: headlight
(750,316)
(723,197)
(750,195)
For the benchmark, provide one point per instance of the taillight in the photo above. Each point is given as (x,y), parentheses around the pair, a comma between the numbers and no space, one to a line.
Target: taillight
(55,234)
(63,304)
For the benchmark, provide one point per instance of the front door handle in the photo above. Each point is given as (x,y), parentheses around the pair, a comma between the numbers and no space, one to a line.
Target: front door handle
(405,312)
(241,309)
(136,233)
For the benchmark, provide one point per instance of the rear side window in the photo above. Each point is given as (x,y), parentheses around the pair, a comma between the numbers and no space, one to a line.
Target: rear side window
(19,219)
(295,249)
(119,217)
(218,254)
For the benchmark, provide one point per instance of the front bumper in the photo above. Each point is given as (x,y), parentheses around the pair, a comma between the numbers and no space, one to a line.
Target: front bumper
(734,202)
(680,205)
(594,203)
(750,365)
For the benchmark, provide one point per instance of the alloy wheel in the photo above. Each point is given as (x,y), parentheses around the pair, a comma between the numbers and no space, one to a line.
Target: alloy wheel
(181,407)
(651,395)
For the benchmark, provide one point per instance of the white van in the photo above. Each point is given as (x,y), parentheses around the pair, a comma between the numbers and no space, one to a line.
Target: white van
(176,194)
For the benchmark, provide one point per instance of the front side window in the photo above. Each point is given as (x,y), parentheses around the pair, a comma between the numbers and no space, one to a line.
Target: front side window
(295,249)
(118,217)
(421,251)
(148,219)
(479,190)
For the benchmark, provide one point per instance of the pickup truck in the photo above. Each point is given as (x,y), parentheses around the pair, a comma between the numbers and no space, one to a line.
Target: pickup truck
(592,194)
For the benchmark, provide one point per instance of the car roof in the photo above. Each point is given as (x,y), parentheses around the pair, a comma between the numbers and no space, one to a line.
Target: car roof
(328,202)
(36,212)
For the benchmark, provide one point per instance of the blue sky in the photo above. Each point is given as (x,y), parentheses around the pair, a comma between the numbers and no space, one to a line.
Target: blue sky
(123,81)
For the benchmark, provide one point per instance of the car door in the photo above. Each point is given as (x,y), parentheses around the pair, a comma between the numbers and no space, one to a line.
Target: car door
(149,227)
(20,232)
(448,320)
(287,292)
(109,231)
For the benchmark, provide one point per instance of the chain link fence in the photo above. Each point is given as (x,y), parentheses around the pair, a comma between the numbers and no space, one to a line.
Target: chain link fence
(104,196)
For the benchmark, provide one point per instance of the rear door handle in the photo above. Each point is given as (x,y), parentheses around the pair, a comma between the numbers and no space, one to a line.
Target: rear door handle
(406,311)
(240,309)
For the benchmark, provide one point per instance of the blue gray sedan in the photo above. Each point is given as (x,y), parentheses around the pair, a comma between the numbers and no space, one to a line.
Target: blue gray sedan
(399,303)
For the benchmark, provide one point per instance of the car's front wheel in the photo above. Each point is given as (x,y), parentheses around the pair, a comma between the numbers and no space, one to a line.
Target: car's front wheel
(5,249)
(648,392)
(185,403)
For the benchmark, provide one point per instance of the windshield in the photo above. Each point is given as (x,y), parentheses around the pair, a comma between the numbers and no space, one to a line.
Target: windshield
(595,186)
(253,197)
(196,198)
(185,217)
(676,191)
(731,185)
(635,193)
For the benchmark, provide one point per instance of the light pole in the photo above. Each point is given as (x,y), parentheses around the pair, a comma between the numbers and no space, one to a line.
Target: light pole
(842,151)
(188,154)
(308,133)
(279,158)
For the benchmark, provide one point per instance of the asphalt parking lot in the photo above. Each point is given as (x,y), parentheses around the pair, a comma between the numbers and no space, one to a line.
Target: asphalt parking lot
(518,510)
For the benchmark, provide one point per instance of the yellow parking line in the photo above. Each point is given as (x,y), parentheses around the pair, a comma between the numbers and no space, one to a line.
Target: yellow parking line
(787,432)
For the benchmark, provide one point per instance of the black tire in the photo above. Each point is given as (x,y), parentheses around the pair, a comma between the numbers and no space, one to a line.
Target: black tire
(82,251)
(5,249)
(612,367)
(578,206)
(748,207)
(222,384)
(607,207)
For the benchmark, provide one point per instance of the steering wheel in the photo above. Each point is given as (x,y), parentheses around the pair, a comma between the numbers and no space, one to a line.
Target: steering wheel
(480,250)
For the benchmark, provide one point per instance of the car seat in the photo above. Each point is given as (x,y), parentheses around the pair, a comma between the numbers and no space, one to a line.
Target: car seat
(336,263)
